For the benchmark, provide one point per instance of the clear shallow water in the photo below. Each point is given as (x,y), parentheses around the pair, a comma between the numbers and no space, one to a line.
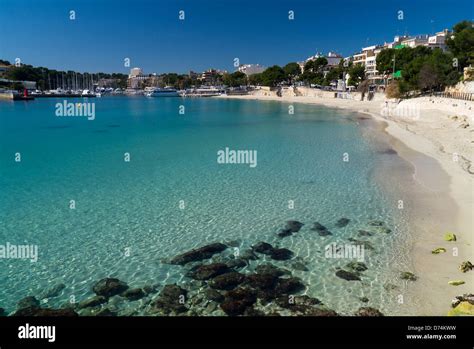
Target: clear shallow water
(135,205)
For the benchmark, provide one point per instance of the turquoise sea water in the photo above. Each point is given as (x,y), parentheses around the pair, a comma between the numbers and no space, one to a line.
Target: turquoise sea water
(135,206)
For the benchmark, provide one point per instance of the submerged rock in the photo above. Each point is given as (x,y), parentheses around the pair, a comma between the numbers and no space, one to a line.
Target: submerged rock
(281,254)
(233,243)
(320,229)
(324,232)
(237,301)
(357,266)
(289,301)
(449,237)
(28,302)
(341,223)
(364,233)
(2,312)
(283,233)
(364,299)
(390,287)
(406,275)
(248,255)
(268,268)
(92,302)
(213,295)
(199,254)
(263,247)
(293,226)
(467,297)
(289,286)
(367,244)
(368,311)
(376,223)
(208,271)
(133,294)
(171,299)
(320,311)
(105,312)
(251,311)
(109,287)
(262,281)
(45,312)
(299,266)
(227,281)
(149,289)
(383,230)
(347,275)
(466,266)
(54,291)
(318,226)
(304,305)
(236,263)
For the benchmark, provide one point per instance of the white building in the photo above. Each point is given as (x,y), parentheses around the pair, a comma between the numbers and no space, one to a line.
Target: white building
(368,59)
(438,40)
(135,72)
(135,78)
(414,41)
(249,69)
(332,58)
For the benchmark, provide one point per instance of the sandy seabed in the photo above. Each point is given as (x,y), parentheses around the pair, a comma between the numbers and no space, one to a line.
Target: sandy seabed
(436,136)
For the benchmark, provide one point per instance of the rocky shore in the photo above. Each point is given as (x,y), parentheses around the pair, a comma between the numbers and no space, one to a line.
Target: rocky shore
(219,280)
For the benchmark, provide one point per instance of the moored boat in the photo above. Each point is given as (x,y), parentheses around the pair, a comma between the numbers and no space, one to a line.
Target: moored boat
(162,92)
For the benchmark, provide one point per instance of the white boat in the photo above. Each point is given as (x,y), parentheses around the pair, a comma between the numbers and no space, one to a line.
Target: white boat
(87,93)
(202,92)
(162,92)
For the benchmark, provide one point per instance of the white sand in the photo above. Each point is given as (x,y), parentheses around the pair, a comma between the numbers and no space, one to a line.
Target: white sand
(443,130)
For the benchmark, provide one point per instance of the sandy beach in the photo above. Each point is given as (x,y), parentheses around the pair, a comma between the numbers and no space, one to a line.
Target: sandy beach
(436,136)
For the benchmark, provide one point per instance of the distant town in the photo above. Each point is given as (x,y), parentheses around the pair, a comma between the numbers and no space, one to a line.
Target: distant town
(374,67)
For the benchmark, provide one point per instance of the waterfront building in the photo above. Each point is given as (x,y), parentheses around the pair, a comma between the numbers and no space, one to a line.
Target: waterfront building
(332,57)
(250,69)
(135,72)
(212,76)
(136,78)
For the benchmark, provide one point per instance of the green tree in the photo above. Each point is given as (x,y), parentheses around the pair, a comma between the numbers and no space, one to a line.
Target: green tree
(235,79)
(428,77)
(273,76)
(332,75)
(17,86)
(461,43)
(255,79)
(356,74)
(292,70)
(313,71)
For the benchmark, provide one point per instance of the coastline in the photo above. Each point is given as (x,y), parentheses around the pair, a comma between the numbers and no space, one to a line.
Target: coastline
(439,146)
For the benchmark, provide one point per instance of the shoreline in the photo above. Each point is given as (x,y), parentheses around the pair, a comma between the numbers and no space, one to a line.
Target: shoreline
(425,143)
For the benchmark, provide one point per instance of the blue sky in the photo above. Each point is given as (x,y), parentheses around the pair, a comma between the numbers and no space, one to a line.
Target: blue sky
(213,33)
